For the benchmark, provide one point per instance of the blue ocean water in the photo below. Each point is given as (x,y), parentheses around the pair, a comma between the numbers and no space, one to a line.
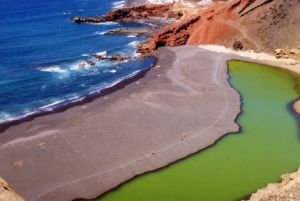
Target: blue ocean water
(41,51)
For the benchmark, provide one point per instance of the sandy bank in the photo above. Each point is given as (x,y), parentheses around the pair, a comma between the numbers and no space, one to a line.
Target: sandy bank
(8,194)
(288,189)
(181,106)
(264,58)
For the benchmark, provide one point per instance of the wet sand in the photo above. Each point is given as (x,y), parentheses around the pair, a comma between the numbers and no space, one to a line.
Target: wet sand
(181,106)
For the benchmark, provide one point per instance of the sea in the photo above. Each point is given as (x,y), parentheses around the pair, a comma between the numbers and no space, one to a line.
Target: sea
(42,51)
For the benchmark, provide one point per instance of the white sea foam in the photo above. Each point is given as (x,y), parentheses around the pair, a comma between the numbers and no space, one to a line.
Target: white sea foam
(104,23)
(73,98)
(85,55)
(52,69)
(113,71)
(101,53)
(49,106)
(99,32)
(131,36)
(67,13)
(79,65)
(5,117)
(118,4)
(134,43)
(135,54)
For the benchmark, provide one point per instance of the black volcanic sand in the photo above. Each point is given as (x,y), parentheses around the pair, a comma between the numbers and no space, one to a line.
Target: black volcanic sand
(179,107)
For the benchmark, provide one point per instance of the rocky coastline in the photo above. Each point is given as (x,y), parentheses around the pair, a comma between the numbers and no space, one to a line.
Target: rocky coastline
(138,13)
(259,25)
(131,32)
(239,24)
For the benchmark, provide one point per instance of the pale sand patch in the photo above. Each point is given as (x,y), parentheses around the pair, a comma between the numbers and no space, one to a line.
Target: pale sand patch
(7,193)
(296,106)
(265,58)
(287,190)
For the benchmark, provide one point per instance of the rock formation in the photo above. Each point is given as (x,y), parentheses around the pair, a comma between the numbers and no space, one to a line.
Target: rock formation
(116,58)
(86,64)
(7,194)
(133,14)
(135,32)
(237,45)
(287,190)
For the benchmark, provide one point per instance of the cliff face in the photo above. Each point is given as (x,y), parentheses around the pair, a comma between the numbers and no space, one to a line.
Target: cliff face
(257,24)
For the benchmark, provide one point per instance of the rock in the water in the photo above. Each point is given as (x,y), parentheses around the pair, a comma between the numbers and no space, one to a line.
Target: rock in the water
(86,64)
(7,194)
(117,58)
(134,32)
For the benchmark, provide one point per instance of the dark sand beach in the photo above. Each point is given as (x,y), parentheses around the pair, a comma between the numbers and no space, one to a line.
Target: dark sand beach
(182,105)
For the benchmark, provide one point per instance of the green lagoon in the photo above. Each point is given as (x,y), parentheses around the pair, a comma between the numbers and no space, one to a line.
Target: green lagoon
(267,147)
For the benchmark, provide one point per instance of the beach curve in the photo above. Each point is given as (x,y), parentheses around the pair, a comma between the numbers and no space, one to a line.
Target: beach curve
(167,124)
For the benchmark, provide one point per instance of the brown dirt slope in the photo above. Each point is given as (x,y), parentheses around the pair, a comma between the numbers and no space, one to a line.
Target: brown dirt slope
(262,25)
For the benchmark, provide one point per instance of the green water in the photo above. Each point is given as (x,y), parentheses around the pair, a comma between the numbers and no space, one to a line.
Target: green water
(267,147)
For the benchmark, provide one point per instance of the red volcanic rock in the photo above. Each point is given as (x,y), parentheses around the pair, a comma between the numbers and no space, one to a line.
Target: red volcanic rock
(256,24)
(174,35)
(203,28)
(133,13)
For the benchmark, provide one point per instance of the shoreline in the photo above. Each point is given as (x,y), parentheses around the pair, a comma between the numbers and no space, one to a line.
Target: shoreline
(268,59)
(81,101)
(64,133)
(66,104)
(71,125)
(288,64)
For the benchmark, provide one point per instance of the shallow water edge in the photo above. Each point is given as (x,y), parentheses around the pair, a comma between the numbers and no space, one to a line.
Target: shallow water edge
(85,99)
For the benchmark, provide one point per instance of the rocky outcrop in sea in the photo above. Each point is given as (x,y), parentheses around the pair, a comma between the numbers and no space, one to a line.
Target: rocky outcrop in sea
(133,14)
